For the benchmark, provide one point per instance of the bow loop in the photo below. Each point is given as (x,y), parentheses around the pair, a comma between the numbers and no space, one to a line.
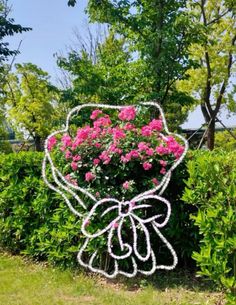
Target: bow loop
(147,212)
(103,215)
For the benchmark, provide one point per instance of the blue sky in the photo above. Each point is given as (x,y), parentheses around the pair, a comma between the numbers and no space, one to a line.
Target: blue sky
(53,22)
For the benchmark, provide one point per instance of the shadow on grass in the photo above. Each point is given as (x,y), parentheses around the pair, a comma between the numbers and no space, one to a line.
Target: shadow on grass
(182,279)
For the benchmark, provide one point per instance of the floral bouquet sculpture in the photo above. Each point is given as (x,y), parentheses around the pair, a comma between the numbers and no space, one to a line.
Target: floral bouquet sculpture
(112,171)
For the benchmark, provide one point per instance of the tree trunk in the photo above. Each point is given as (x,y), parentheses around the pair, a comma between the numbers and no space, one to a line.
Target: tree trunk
(37,142)
(211,135)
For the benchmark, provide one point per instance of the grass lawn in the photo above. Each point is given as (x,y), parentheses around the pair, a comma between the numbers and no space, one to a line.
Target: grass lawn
(27,283)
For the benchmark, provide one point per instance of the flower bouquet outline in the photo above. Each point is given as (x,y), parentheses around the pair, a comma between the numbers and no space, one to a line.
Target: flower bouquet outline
(123,211)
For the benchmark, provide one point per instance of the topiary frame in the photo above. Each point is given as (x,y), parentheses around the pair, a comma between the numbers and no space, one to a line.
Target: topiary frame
(108,205)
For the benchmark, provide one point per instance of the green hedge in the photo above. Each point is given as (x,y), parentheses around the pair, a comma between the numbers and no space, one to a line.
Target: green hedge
(36,221)
(211,187)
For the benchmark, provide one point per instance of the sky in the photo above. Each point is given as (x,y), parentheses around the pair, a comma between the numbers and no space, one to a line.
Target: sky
(53,23)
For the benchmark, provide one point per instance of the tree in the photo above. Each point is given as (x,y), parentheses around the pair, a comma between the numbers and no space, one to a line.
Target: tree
(159,31)
(30,101)
(7,28)
(211,83)
(101,75)
(110,73)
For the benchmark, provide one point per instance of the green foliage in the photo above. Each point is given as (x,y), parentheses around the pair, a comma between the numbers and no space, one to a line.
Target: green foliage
(5,147)
(36,221)
(225,140)
(211,188)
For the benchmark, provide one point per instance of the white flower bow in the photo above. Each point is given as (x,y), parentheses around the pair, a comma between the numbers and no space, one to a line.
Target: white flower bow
(114,213)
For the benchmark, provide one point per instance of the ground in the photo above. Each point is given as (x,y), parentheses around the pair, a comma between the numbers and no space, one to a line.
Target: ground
(26,283)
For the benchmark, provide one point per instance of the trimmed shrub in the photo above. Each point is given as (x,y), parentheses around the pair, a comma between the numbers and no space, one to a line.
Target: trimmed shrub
(211,187)
(36,221)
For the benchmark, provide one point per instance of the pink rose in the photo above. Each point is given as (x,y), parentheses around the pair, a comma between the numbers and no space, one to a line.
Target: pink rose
(118,133)
(103,121)
(174,147)
(127,113)
(156,125)
(163,163)
(68,154)
(96,161)
(70,180)
(126,185)
(161,150)
(155,181)
(150,151)
(95,114)
(96,131)
(89,176)
(163,171)
(134,153)
(66,140)
(142,146)
(52,141)
(147,166)
(129,126)
(97,145)
(82,135)
(124,159)
(104,156)
(119,151)
(74,165)
(146,131)
(76,158)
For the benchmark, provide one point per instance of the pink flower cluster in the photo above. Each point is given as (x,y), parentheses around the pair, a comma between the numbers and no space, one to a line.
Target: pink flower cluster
(154,125)
(127,113)
(52,141)
(95,114)
(174,147)
(107,142)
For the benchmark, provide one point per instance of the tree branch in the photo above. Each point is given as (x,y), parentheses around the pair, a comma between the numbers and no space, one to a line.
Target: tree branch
(207,92)
(225,82)
(218,17)
(205,113)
